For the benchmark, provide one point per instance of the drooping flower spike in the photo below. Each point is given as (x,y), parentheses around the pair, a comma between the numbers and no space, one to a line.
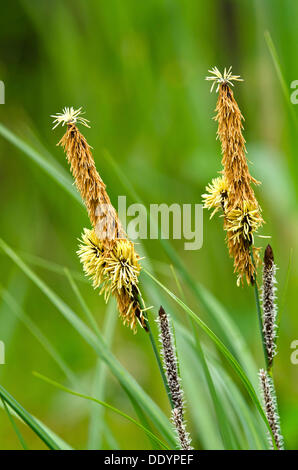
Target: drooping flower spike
(108,257)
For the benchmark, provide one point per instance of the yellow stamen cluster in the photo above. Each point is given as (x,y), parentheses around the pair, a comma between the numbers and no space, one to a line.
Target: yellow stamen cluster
(216,196)
(69,116)
(114,271)
(233,193)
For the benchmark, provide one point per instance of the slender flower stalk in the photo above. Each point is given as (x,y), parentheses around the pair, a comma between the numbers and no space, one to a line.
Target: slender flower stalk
(169,356)
(270,406)
(268,304)
(108,257)
(233,192)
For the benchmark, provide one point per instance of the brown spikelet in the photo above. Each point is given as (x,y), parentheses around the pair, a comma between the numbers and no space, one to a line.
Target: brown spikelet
(108,257)
(236,172)
(130,310)
(239,180)
(102,214)
(242,213)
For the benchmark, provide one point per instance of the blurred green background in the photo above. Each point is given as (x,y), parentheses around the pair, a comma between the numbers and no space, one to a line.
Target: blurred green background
(138,70)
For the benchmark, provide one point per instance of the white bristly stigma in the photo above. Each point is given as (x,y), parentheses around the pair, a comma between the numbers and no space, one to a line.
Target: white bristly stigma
(219,78)
(69,116)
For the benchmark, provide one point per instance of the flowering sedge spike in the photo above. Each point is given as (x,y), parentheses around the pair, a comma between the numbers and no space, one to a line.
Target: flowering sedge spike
(108,257)
(270,407)
(268,304)
(169,356)
(242,213)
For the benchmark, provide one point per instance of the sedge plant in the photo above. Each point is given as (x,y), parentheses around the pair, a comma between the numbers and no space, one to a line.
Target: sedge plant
(232,193)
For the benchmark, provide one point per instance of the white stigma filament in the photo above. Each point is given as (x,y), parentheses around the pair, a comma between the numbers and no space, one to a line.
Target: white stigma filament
(220,78)
(69,116)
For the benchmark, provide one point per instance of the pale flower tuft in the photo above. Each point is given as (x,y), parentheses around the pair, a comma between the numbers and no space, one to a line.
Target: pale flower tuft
(69,116)
(220,79)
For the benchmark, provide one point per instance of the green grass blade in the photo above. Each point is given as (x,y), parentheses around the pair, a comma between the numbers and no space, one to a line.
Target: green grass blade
(230,332)
(29,420)
(96,426)
(252,431)
(82,302)
(99,346)
(235,365)
(220,413)
(201,408)
(219,409)
(37,333)
(227,327)
(14,425)
(56,172)
(106,405)
(284,294)
(52,267)
(59,441)
(277,66)
(110,438)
